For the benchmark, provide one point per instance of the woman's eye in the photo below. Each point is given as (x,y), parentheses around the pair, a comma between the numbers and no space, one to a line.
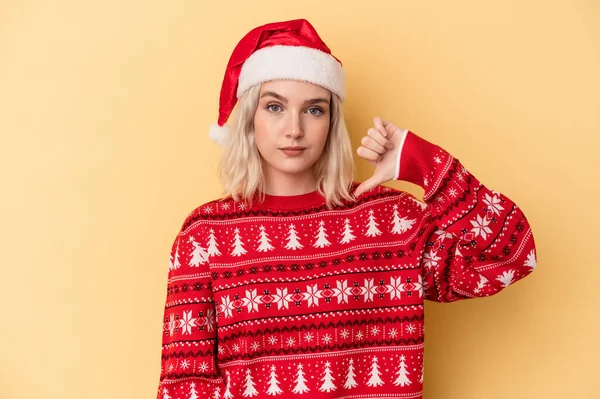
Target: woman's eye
(269,107)
(318,111)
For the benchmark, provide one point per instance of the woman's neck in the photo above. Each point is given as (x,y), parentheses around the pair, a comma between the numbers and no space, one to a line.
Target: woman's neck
(290,185)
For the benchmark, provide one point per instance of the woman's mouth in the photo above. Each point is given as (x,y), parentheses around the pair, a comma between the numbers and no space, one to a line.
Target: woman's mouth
(293,151)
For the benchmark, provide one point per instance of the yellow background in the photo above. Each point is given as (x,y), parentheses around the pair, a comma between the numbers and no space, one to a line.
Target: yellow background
(104,115)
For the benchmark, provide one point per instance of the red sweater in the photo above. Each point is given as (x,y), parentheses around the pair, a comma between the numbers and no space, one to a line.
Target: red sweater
(288,299)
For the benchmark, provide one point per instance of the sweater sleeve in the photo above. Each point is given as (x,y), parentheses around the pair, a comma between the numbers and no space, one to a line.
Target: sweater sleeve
(479,242)
(189,341)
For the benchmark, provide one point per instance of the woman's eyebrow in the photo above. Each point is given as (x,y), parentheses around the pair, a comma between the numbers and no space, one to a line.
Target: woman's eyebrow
(317,100)
(284,100)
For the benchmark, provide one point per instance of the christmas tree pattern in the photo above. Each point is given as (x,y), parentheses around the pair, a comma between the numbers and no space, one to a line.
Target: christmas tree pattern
(264,241)
(238,247)
(199,255)
(213,248)
(250,390)
(531,261)
(165,394)
(300,381)
(174,260)
(350,381)
(401,225)
(402,379)
(347,235)
(372,229)
(321,236)
(293,241)
(421,204)
(228,394)
(481,284)
(273,383)
(422,372)
(506,278)
(375,374)
(327,379)
(193,392)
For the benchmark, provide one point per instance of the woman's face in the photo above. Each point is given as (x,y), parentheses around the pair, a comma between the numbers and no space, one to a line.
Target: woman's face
(291,114)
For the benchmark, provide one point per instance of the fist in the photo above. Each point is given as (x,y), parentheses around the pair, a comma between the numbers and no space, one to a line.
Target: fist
(381,148)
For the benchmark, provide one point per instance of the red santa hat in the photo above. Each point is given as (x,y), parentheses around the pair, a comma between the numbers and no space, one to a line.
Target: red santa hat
(279,50)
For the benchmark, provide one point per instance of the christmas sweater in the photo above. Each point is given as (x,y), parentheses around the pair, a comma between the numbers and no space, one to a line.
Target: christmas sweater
(289,299)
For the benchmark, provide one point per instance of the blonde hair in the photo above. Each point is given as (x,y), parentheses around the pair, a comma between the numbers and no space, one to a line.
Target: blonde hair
(240,169)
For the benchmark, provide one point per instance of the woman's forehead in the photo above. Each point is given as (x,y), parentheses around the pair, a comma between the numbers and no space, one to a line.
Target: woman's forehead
(295,90)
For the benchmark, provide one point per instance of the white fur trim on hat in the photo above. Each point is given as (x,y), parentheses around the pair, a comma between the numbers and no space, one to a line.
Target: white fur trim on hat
(295,63)
(219,134)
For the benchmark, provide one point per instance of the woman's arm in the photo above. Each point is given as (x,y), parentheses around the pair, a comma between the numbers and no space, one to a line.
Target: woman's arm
(478,241)
(189,340)
(481,241)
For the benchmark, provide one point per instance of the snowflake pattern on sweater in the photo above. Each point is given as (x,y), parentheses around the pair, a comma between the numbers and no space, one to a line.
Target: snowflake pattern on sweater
(290,299)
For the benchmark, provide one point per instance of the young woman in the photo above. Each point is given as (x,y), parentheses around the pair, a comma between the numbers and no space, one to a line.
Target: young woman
(301,282)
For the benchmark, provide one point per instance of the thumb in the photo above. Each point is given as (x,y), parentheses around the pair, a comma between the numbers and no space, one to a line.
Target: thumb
(368,184)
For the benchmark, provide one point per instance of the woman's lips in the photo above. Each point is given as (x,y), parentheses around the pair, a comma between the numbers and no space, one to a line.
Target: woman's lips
(292,153)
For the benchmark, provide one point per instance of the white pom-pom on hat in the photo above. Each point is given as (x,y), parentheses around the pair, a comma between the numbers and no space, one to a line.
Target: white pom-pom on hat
(219,134)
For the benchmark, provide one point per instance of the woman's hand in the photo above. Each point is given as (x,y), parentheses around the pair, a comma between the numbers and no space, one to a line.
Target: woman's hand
(380,147)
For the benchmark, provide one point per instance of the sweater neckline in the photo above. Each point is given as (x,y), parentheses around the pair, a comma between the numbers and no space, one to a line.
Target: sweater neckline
(288,202)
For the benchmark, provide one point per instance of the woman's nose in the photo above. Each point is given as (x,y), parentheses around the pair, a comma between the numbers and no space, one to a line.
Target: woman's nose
(295,128)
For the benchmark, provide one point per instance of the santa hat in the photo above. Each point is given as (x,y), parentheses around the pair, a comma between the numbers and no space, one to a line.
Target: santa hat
(279,50)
